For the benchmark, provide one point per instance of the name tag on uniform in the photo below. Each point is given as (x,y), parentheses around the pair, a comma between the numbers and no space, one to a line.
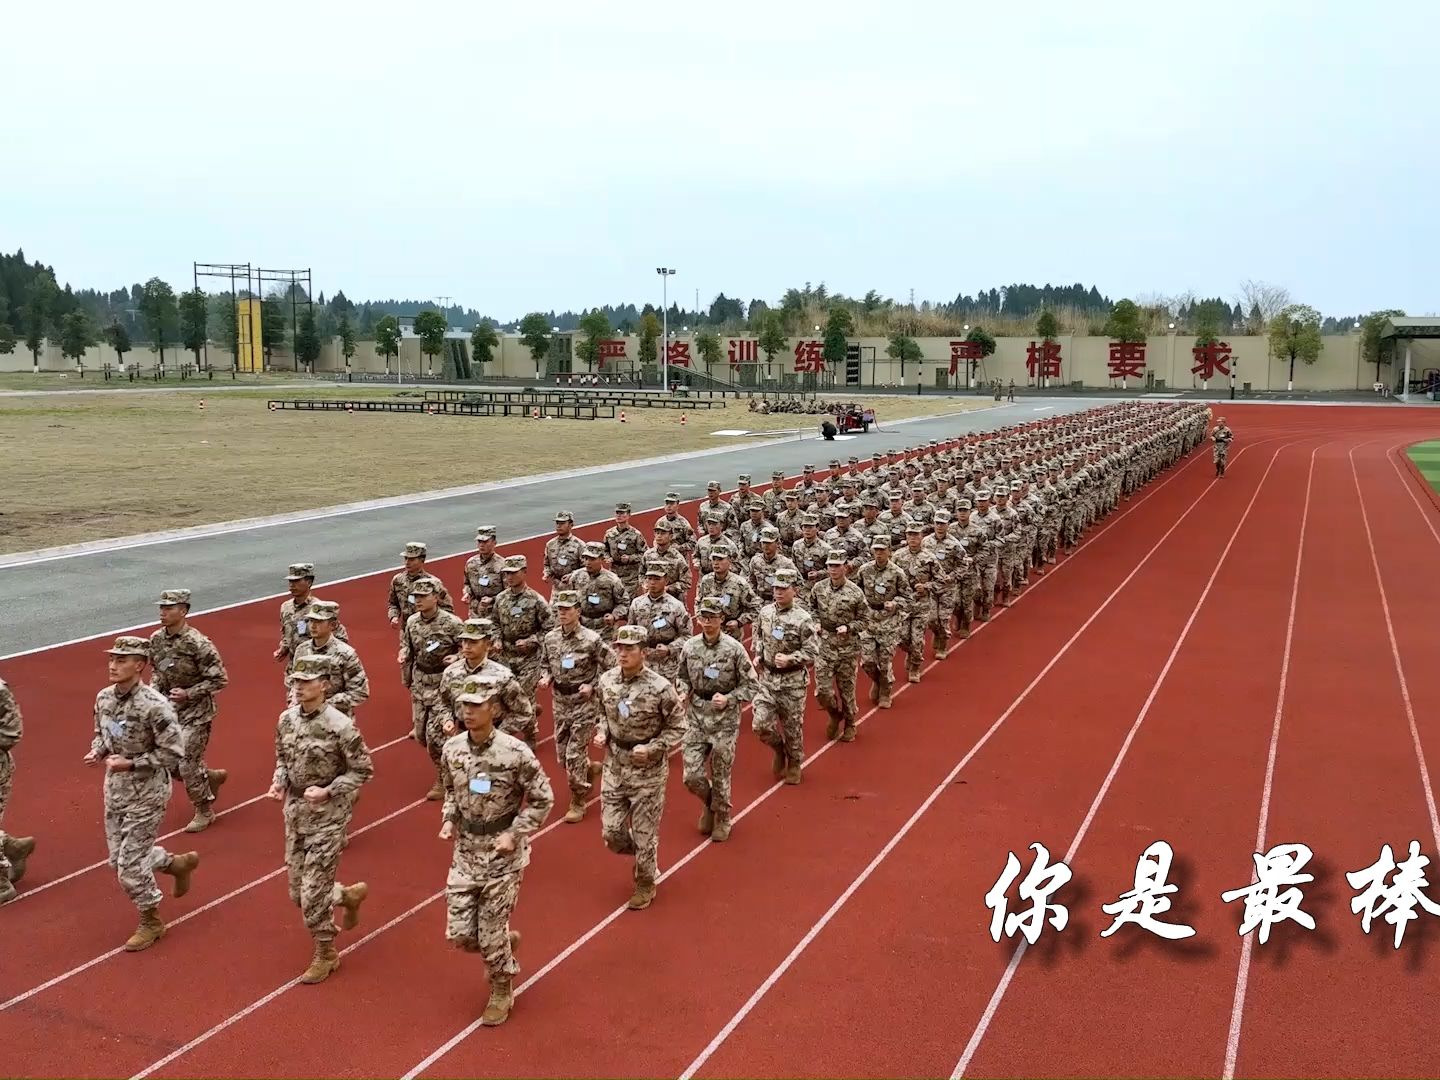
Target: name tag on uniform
(302,627)
(517,609)
(563,562)
(480,785)
(116,728)
(879,588)
(167,663)
(432,646)
(411,598)
(624,709)
(483,581)
(778,633)
(712,673)
(567,662)
(594,598)
(809,562)
(770,581)
(624,546)
(659,624)
(725,600)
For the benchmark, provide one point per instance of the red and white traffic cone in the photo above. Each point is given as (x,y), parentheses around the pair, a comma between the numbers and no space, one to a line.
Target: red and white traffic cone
(202,404)
(535,414)
(622,416)
(682,419)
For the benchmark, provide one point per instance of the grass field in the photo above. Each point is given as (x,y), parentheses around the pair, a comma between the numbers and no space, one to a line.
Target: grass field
(93,380)
(1426,456)
(97,466)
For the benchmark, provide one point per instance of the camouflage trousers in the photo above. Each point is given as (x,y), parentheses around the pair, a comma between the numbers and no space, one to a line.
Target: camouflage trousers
(778,715)
(1029,540)
(878,643)
(965,601)
(837,667)
(312,857)
(985,599)
(428,714)
(575,720)
(7,777)
(1071,525)
(134,807)
(945,599)
(710,738)
(923,615)
(632,799)
(477,918)
(526,668)
(1220,453)
(192,771)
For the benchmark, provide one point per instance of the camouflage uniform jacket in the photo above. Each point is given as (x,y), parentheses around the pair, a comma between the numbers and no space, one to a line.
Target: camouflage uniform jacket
(484,580)
(750,536)
(882,584)
(677,569)
(834,608)
(626,548)
(349,686)
(665,620)
(707,669)
(521,615)
(402,600)
(322,749)
(722,510)
(762,573)
(562,556)
(295,627)
(573,658)
(682,532)
(642,710)
(139,725)
(491,788)
(423,649)
(600,595)
(517,711)
(852,542)
(11,726)
(791,631)
(927,576)
(951,554)
(809,558)
(189,661)
(736,596)
(702,552)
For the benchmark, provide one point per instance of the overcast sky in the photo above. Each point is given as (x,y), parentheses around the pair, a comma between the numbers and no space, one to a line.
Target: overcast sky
(553,155)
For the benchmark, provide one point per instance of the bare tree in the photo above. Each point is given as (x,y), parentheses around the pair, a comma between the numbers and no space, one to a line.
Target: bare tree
(1261,302)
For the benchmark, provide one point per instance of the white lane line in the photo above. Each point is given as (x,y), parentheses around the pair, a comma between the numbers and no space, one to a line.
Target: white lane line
(1237,1009)
(999,995)
(249,1009)
(834,909)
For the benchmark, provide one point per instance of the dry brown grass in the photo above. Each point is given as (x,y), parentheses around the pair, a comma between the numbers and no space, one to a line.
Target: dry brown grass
(86,468)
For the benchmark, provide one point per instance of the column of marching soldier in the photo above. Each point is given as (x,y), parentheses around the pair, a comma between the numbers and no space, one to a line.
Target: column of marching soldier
(831,575)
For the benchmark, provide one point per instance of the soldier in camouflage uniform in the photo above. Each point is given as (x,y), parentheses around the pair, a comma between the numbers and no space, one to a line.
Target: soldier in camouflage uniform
(737,598)
(641,726)
(571,660)
(348,686)
(321,762)
(927,586)
(1221,437)
(677,575)
(484,575)
(189,672)
(809,554)
(714,537)
(563,552)
(840,614)
(666,622)
(496,798)
(429,645)
(603,596)
(887,592)
(625,546)
(766,563)
(753,529)
(14,850)
(785,646)
(714,678)
(402,586)
(522,616)
(515,710)
(140,742)
(958,594)
(294,623)
(680,528)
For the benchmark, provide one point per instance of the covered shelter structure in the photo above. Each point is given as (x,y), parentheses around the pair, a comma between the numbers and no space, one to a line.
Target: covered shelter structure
(1411,335)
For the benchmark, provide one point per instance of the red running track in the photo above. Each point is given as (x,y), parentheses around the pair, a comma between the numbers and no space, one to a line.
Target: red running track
(900,975)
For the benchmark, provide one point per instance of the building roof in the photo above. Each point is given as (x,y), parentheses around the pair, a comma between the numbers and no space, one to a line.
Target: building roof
(1421,326)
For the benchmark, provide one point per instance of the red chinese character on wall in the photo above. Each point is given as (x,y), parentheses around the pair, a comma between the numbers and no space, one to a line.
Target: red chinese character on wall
(744,350)
(678,353)
(613,349)
(1127,359)
(1211,358)
(969,351)
(1042,359)
(808,357)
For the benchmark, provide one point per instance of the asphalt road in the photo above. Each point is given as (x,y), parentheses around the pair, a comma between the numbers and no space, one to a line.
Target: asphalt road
(104,592)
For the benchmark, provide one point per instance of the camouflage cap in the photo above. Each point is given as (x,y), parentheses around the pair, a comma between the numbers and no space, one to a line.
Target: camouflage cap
(594,550)
(983,495)
(713,485)
(174,596)
(744,478)
(324,609)
(485,532)
(514,564)
(721,551)
(778,474)
(711,605)
(809,468)
(564,515)
(424,586)
(130,646)
(769,535)
(791,493)
(1016,485)
(656,569)
(914,527)
(478,630)
(477,690)
(664,526)
(810,519)
(671,496)
(878,543)
(785,578)
(835,558)
(622,508)
(834,463)
(567,598)
(630,635)
(854,461)
(942,517)
(300,570)
(311,667)
(413,550)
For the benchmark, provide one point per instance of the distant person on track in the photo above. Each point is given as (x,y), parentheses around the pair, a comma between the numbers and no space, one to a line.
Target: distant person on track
(189,672)
(642,725)
(402,586)
(348,686)
(496,797)
(294,624)
(1221,437)
(321,762)
(14,850)
(141,744)
(484,575)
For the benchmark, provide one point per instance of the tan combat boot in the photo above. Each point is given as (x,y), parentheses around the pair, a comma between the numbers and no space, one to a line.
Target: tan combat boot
(721,831)
(502,999)
(707,820)
(150,930)
(885,701)
(643,895)
(17,850)
(577,809)
(323,964)
(833,727)
(848,735)
(351,897)
(514,940)
(7,891)
(203,819)
(778,765)
(792,773)
(180,868)
(217,778)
